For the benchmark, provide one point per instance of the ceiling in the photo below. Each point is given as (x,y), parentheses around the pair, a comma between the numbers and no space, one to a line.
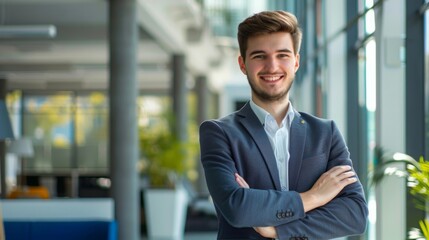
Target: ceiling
(77,57)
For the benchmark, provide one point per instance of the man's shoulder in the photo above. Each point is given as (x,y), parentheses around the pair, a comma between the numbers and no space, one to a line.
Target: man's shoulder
(225,120)
(318,125)
(310,118)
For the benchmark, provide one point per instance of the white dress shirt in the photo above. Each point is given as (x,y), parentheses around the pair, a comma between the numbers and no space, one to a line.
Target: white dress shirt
(279,139)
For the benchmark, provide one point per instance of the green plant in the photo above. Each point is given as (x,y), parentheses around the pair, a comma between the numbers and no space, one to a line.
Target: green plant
(417,175)
(166,159)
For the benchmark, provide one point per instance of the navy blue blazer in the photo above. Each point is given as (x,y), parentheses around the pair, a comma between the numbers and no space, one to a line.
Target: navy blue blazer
(238,143)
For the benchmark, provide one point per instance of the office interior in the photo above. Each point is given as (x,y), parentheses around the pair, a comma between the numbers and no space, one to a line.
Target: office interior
(85,82)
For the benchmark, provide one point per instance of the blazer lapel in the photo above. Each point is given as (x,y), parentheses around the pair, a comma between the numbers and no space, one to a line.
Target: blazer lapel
(254,128)
(296,148)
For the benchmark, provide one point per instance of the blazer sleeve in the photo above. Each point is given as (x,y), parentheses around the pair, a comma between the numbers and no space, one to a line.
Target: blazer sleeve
(345,215)
(241,207)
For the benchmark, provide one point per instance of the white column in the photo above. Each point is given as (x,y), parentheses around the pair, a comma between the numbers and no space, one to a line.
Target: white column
(336,63)
(390,194)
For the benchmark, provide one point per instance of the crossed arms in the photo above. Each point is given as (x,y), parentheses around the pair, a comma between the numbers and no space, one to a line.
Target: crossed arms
(323,191)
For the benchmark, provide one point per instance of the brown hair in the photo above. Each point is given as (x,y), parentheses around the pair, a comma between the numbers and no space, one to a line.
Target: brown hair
(268,22)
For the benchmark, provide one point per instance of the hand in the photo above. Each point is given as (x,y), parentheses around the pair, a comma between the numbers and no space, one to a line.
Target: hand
(268,232)
(241,182)
(327,187)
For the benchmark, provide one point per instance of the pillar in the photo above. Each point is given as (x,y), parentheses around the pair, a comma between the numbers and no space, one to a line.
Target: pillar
(179,94)
(123,36)
(202,90)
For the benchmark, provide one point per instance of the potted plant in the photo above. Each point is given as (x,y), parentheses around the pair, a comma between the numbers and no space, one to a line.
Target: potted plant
(417,175)
(166,162)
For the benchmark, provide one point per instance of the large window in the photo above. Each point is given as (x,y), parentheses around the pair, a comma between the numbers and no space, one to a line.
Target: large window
(70,133)
(369,94)
(70,130)
(367,101)
(48,120)
(225,15)
(91,129)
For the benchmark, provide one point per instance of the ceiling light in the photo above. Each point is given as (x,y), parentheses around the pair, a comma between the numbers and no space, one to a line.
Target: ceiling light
(27,31)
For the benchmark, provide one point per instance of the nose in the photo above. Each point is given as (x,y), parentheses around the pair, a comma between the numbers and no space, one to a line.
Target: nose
(271,64)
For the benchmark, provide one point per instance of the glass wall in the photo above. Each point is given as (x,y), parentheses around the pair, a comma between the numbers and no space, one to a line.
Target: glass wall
(48,120)
(359,81)
(91,131)
(368,89)
(225,15)
(70,130)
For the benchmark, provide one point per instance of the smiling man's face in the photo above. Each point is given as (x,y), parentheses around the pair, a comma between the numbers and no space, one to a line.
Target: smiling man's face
(270,66)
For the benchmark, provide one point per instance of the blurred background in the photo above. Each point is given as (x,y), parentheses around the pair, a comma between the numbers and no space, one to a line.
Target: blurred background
(105,98)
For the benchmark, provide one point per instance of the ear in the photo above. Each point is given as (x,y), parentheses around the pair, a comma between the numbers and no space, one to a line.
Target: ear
(242,65)
(297,62)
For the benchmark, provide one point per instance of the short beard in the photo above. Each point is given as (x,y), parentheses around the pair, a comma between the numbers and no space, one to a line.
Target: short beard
(265,97)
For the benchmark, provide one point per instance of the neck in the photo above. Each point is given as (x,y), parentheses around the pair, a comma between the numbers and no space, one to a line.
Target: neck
(277,109)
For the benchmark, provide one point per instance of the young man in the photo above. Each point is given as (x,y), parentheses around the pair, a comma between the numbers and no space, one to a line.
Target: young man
(274,172)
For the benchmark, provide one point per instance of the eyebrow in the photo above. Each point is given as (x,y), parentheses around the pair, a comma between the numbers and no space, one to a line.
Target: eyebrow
(278,51)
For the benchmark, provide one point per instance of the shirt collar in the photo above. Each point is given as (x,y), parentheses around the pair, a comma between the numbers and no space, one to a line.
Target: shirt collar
(262,114)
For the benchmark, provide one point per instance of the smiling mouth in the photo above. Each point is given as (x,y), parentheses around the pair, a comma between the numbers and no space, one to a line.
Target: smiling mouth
(271,78)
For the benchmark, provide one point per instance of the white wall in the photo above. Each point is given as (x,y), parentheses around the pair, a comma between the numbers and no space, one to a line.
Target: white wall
(336,64)
(336,82)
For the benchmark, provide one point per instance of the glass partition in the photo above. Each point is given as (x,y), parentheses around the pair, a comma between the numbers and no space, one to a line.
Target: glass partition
(71,130)
(47,119)
(91,124)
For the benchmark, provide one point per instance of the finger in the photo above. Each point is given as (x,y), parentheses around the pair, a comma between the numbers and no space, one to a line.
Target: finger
(345,175)
(241,182)
(338,170)
(342,168)
(349,180)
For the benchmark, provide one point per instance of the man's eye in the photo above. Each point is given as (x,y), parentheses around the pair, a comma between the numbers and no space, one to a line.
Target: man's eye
(258,57)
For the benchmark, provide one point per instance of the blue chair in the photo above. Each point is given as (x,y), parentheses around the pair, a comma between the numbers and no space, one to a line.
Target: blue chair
(64,230)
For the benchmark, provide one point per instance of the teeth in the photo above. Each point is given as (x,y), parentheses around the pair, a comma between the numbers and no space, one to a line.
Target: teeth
(272,78)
